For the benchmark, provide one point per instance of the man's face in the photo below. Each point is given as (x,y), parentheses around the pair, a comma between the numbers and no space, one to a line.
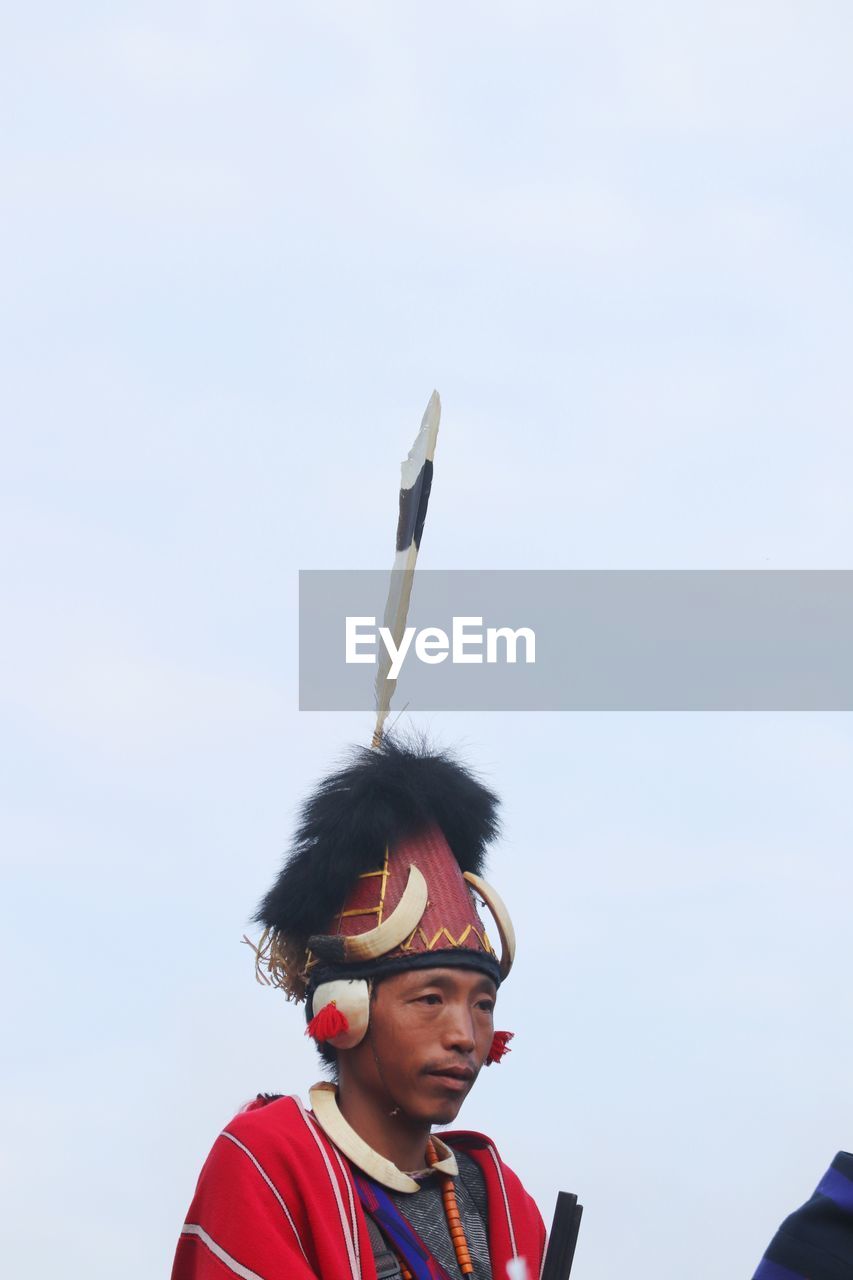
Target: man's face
(430,1033)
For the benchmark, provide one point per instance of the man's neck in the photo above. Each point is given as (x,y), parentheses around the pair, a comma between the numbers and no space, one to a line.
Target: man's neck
(398,1138)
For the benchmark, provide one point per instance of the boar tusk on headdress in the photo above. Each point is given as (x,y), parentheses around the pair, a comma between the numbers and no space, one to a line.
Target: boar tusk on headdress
(402,921)
(495,903)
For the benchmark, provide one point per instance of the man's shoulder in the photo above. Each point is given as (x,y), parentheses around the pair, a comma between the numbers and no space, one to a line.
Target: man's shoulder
(484,1152)
(479,1146)
(515,1223)
(272,1124)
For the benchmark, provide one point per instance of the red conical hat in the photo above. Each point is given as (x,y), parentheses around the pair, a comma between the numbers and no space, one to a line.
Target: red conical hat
(450,921)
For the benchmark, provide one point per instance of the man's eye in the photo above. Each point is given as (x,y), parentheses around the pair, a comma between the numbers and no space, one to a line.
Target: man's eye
(487,1005)
(429,999)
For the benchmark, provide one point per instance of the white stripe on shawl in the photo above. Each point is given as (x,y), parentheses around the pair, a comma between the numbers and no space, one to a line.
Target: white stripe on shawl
(268,1180)
(348,1180)
(497,1165)
(355,1270)
(235,1267)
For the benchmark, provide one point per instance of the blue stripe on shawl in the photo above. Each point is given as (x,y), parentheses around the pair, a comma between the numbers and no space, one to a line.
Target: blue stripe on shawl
(836,1187)
(816,1241)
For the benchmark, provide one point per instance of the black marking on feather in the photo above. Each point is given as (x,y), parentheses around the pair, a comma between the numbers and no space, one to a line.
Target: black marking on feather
(381,796)
(413,508)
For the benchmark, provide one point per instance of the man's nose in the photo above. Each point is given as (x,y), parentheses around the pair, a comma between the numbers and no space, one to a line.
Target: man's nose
(459,1029)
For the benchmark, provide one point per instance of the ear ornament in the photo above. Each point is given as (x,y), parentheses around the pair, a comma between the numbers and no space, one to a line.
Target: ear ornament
(500,1046)
(340,1013)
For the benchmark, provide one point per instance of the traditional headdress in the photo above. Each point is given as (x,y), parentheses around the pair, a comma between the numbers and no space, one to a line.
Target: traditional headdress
(384,871)
(383,875)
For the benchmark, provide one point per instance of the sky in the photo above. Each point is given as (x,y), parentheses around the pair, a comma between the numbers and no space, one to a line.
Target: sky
(240,247)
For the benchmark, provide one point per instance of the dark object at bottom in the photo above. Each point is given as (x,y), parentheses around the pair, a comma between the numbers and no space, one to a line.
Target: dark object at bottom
(563,1238)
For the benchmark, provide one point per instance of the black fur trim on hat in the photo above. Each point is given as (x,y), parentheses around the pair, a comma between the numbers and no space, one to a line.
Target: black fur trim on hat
(383,795)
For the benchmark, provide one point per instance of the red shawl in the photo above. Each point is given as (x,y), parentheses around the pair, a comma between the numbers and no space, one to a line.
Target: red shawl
(275,1201)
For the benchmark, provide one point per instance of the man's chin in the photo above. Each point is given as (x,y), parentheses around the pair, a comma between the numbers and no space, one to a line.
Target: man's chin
(446,1112)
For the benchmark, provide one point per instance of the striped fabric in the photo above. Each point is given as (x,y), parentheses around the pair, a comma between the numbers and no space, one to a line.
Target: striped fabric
(816,1242)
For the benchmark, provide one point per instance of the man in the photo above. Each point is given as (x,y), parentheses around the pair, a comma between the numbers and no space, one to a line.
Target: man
(373,922)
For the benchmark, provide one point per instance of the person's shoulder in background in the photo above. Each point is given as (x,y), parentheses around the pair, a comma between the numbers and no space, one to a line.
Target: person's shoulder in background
(816,1242)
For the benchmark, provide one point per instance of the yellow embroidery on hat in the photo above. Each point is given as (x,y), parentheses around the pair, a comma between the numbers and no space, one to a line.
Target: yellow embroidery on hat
(444,933)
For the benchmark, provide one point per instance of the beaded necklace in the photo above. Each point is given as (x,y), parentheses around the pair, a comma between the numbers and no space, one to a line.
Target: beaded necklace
(453,1216)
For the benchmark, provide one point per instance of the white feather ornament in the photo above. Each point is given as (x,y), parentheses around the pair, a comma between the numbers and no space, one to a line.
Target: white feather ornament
(415,484)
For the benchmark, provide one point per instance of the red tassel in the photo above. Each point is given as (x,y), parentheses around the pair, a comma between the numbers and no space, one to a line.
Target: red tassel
(500,1046)
(328,1023)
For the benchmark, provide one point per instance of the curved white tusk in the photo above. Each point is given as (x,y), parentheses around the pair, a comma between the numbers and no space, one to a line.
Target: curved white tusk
(401,922)
(495,903)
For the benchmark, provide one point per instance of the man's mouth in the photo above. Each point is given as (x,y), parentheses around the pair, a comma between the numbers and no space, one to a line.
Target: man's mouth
(455,1078)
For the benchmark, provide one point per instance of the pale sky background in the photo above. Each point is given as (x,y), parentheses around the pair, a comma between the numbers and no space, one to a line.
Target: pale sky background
(240,246)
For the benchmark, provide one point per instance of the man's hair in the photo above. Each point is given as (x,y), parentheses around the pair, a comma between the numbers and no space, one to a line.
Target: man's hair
(329,1058)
